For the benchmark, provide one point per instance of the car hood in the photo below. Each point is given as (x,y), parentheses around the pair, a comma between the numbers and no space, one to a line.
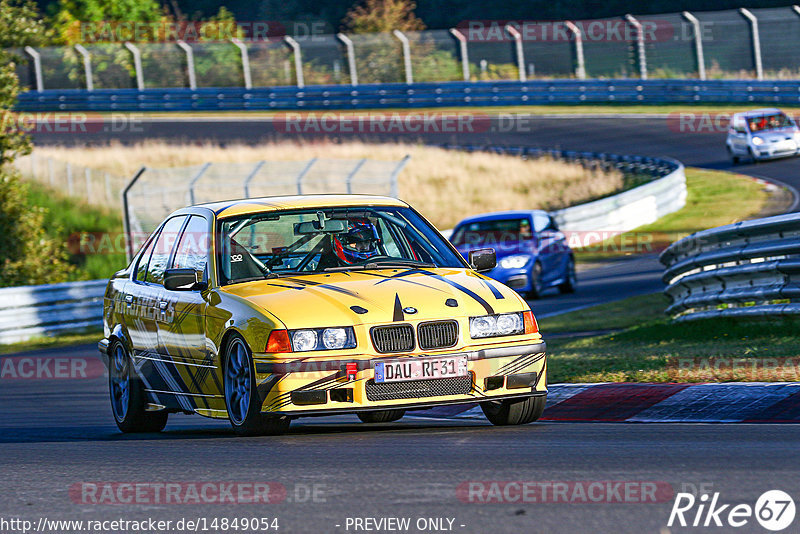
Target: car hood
(335,299)
(776,135)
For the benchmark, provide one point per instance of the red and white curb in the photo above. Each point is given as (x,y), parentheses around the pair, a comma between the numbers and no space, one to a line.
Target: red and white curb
(730,402)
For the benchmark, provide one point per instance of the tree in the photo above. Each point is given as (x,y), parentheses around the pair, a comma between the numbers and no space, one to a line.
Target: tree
(378,16)
(71,14)
(27,254)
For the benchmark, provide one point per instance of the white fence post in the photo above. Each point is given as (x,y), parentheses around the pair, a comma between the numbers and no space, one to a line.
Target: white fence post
(87,66)
(349,180)
(351,57)
(250,178)
(580,67)
(406,55)
(108,186)
(189,63)
(698,44)
(197,176)
(37,67)
(248,80)
(756,41)
(394,189)
(520,52)
(87,174)
(302,174)
(137,64)
(462,41)
(298,60)
(639,45)
(70,191)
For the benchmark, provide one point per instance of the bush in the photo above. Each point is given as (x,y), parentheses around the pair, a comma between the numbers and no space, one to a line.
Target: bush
(27,254)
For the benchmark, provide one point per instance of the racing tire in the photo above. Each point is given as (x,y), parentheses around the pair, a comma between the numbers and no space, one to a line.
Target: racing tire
(242,399)
(536,289)
(734,158)
(514,411)
(753,155)
(128,397)
(571,283)
(382,416)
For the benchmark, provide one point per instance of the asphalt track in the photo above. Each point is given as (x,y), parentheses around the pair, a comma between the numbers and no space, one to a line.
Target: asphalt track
(56,434)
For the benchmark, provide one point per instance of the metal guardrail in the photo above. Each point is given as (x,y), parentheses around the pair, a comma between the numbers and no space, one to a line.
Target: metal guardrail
(621,212)
(746,269)
(33,311)
(393,95)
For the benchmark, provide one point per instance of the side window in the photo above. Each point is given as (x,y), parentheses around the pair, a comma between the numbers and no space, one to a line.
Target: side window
(192,251)
(540,222)
(163,248)
(144,259)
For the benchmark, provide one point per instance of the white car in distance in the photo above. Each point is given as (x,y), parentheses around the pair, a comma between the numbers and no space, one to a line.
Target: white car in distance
(762,134)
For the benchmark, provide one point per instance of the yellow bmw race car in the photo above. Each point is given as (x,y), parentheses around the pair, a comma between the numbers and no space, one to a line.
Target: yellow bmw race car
(263,310)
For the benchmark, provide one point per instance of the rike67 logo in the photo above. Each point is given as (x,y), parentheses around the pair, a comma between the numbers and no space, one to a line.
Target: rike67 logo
(774,510)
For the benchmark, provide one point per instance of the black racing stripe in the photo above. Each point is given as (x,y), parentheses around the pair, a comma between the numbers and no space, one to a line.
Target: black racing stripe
(467,291)
(287,287)
(496,292)
(399,315)
(266,386)
(512,363)
(522,365)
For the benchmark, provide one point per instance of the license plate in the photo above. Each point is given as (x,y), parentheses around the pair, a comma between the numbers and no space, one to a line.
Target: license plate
(420,369)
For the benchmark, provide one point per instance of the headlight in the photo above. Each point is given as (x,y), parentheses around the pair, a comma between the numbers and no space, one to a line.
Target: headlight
(323,339)
(757,141)
(506,324)
(514,262)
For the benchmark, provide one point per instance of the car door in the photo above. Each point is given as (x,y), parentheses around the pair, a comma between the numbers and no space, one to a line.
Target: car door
(181,317)
(546,242)
(160,376)
(738,136)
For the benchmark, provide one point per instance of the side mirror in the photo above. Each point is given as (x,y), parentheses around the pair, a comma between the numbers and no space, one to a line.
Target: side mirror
(182,280)
(482,260)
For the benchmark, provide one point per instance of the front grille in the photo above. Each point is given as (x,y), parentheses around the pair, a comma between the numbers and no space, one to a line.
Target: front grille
(394,338)
(418,389)
(437,335)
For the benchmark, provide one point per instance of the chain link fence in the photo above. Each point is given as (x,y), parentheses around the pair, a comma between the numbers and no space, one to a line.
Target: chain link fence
(155,193)
(740,44)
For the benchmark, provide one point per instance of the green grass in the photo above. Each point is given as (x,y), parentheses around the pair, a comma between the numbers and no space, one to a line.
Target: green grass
(70,220)
(714,198)
(651,348)
(608,108)
(92,336)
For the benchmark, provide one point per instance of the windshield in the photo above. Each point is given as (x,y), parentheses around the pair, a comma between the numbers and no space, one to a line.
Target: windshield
(272,244)
(492,233)
(772,121)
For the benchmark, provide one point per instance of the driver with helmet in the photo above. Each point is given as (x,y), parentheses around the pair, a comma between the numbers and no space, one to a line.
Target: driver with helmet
(359,243)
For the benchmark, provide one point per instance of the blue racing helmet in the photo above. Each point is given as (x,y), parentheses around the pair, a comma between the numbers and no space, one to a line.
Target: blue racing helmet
(359,243)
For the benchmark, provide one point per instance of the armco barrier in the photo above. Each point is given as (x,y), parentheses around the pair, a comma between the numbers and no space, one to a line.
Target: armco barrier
(750,268)
(32,311)
(415,95)
(622,212)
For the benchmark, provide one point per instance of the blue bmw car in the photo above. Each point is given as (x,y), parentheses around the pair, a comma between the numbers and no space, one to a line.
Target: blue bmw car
(532,253)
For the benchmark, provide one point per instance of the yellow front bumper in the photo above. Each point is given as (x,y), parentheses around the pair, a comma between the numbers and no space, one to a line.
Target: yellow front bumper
(322,386)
